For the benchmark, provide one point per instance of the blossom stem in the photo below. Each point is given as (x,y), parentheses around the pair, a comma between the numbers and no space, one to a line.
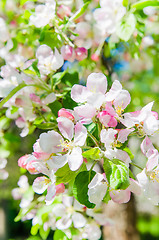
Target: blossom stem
(93,138)
(136,165)
(91,170)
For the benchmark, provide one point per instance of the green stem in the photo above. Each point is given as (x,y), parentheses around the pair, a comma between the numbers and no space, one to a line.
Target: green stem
(136,165)
(91,170)
(93,138)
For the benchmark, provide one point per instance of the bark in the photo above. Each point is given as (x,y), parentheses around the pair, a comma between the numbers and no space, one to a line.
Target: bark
(124,217)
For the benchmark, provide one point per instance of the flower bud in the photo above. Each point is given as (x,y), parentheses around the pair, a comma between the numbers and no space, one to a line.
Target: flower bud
(81,53)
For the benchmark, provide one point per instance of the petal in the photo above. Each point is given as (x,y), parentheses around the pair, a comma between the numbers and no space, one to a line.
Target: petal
(50,142)
(3,162)
(79,93)
(40,184)
(123,134)
(146,145)
(85,111)
(79,220)
(120,196)
(64,223)
(108,136)
(56,162)
(80,134)
(75,159)
(66,127)
(122,99)
(96,100)
(97,193)
(114,91)
(96,180)
(134,187)
(97,82)
(51,192)
(59,210)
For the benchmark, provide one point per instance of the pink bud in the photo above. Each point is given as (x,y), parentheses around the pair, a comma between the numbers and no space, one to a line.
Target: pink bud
(63,11)
(95,57)
(34,97)
(81,53)
(68,53)
(22,162)
(31,168)
(65,113)
(60,188)
(20,122)
(106,119)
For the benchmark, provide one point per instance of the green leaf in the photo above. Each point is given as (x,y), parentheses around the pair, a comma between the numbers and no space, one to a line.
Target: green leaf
(126,27)
(59,235)
(80,12)
(22,2)
(55,107)
(34,229)
(44,234)
(56,78)
(70,78)
(107,197)
(91,127)
(11,94)
(93,154)
(46,126)
(131,174)
(146,3)
(34,66)
(126,149)
(125,3)
(65,175)
(117,173)
(80,188)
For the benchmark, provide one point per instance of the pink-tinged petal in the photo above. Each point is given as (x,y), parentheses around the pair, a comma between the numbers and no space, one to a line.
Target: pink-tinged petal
(108,136)
(123,134)
(68,53)
(80,134)
(142,178)
(66,113)
(75,159)
(120,196)
(145,111)
(113,122)
(22,161)
(122,99)
(51,192)
(81,53)
(66,127)
(122,155)
(30,167)
(85,111)
(50,142)
(80,93)
(135,187)
(97,82)
(96,99)
(20,122)
(34,98)
(114,91)
(41,155)
(60,188)
(40,184)
(110,110)
(155,114)
(102,219)
(56,162)
(146,145)
(78,219)
(106,119)
(64,223)
(153,157)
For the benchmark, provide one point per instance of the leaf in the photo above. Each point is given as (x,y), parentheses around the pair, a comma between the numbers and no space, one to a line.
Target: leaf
(80,188)
(59,235)
(91,127)
(125,3)
(70,78)
(65,175)
(126,27)
(107,197)
(117,173)
(55,107)
(126,149)
(34,66)
(44,234)
(146,3)
(11,94)
(80,12)
(93,154)
(46,126)
(34,229)
(56,78)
